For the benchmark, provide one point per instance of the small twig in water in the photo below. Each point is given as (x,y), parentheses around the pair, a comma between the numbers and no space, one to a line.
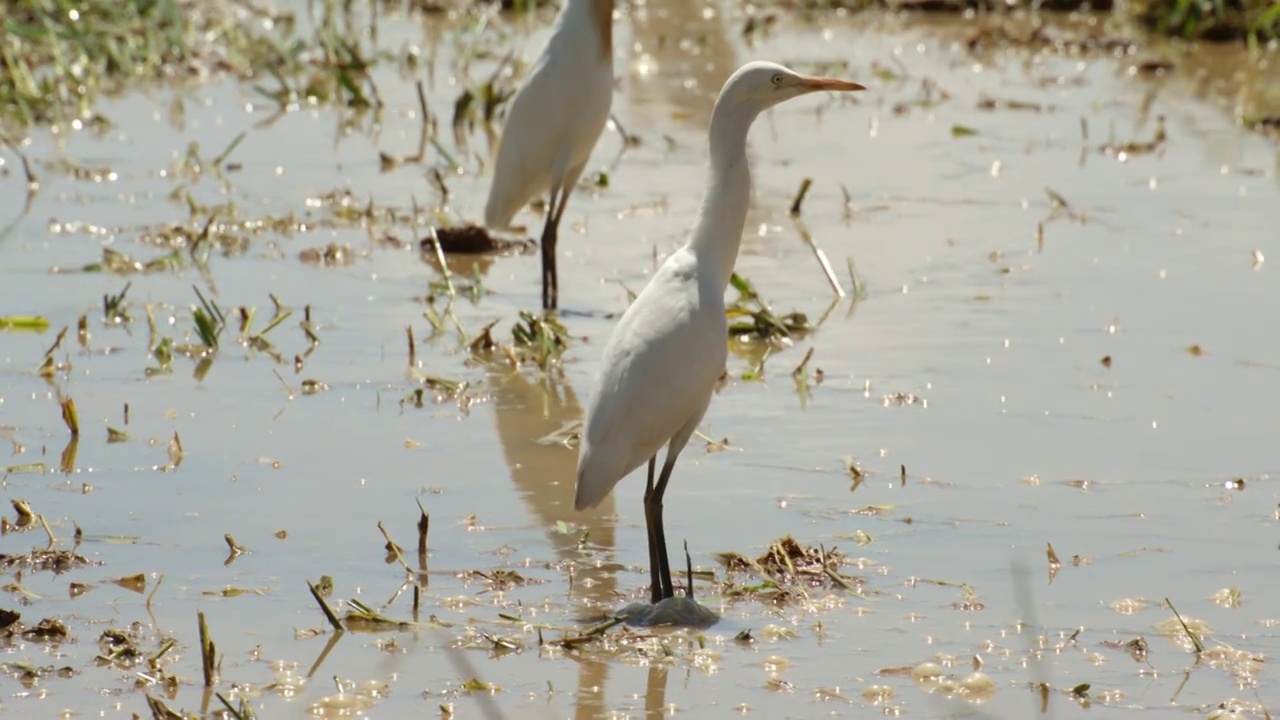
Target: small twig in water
(799,198)
(234,712)
(835,576)
(45,524)
(217,162)
(820,255)
(688,565)
(395,549)
(1195,641)
(33,182)
(235,548)
(159,711)
(154,588)
(802,370)
(444,267)
(69,414)
(853,278)
(207,652)
(324,606)
(245,711)
(426,126)
(424,525)
(288,390)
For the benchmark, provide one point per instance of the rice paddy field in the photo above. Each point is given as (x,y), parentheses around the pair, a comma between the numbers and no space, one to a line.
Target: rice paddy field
(271,451)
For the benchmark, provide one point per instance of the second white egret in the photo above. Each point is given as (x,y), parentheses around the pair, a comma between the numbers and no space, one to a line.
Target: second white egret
(553,124)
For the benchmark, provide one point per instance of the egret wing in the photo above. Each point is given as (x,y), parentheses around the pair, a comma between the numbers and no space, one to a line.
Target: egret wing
(660,367)
(553,123)
(527,147)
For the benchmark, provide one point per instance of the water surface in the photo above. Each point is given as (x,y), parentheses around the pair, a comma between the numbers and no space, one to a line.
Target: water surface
(973,358)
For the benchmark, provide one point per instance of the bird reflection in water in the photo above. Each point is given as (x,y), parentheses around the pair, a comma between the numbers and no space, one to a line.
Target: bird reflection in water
(592,703)
(529,413)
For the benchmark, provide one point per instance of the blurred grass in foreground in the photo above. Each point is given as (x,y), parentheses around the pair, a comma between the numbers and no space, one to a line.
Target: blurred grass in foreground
(59,57)
(1254,21)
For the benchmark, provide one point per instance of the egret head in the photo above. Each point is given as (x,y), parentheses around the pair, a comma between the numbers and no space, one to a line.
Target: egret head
(761,85)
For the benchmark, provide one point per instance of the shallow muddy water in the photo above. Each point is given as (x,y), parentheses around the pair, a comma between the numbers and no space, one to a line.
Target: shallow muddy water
(1100,377)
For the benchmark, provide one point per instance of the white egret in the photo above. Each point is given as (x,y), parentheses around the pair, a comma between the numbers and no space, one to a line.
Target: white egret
(667,352)
(553,123)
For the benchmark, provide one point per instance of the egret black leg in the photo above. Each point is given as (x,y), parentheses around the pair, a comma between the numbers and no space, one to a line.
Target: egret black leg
(550,233)
(688,566)
(653,509)
(548,248)
(655,584)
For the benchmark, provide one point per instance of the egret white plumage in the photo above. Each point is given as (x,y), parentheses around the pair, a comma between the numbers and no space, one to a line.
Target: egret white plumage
(666,354)
(553,123)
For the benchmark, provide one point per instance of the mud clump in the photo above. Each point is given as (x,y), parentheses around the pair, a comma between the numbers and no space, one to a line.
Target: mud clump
(476,240)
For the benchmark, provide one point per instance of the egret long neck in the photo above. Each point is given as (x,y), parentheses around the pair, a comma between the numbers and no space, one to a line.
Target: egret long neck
(602,19)
(718,234)
(590,19)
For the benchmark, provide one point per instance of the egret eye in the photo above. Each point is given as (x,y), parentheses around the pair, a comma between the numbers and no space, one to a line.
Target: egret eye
(776,79)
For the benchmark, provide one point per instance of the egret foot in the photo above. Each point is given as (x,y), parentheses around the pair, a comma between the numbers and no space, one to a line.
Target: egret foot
(674,611)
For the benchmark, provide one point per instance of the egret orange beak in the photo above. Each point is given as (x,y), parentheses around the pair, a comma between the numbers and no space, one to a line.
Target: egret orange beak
(825,83)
